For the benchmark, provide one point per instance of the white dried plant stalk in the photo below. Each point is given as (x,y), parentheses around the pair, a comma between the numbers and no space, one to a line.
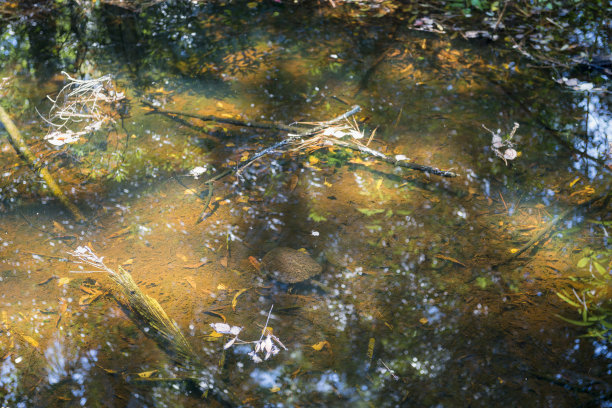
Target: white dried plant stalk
(81,107)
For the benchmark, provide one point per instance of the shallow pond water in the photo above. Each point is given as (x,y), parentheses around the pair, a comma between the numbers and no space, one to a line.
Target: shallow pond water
(411,307)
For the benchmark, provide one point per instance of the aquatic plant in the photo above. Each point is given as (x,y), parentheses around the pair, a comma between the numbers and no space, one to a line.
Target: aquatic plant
(593,301)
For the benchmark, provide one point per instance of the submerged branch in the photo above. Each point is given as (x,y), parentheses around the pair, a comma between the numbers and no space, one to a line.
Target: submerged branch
(22,149)
(391,160)
(218,119)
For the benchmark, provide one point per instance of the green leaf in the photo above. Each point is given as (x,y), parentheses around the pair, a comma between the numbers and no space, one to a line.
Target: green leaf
(316,217)
(606,324)
(583,262)
(568,300)
(600,268)
(482,282)
(575,322)
(369,212)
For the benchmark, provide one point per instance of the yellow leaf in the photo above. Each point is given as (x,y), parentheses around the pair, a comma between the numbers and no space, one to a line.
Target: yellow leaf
(219,104)
(320,345)
(146,374)
(215,334)
(514,250)
(267,330)
(327,184)
(574,182)
(423,320)
(371,344)
(235,299)
(221,287)
(188,192)
(313,160)
(30,340)
(63,281)
(275,389)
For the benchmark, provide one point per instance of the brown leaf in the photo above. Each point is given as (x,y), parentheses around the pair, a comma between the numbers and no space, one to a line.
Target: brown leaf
(256,264)
(195,265)
(448,258)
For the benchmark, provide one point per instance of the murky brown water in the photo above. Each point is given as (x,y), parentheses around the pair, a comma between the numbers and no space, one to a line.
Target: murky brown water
(408,282)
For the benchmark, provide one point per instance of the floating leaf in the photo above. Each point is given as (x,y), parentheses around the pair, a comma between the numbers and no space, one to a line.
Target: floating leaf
(514,250)
(63,281)
(423,320)
(321,345)
(275,389)
(235,299)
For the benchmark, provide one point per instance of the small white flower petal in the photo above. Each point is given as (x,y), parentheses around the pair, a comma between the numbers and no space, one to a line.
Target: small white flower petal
(339,134)
(222,328)
(235,330)
(229,343)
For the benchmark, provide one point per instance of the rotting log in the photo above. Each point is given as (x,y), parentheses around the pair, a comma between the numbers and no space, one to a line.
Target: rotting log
(24,152)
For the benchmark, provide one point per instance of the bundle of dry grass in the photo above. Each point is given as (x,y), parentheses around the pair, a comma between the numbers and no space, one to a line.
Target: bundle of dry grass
(147,312)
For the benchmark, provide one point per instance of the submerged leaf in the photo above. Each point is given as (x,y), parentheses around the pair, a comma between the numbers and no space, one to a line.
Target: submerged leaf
(321,345)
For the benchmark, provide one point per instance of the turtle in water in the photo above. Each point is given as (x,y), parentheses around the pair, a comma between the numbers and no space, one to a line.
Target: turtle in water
(290,266)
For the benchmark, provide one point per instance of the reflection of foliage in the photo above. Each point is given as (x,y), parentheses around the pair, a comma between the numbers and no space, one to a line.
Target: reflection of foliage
(594,301)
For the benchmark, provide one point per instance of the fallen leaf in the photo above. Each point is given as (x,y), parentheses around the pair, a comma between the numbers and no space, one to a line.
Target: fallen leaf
(195,266)
(371,344)
(59,227)
(321,345)
(256,264)
(235,299)
(423,320)
(119,233)
(128,262)
(293,182)
(514,250)
(574,182)
(63,281)
(275,389)
(215,334)
(448,258)
(30,340)
(146,374)
(221,287)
